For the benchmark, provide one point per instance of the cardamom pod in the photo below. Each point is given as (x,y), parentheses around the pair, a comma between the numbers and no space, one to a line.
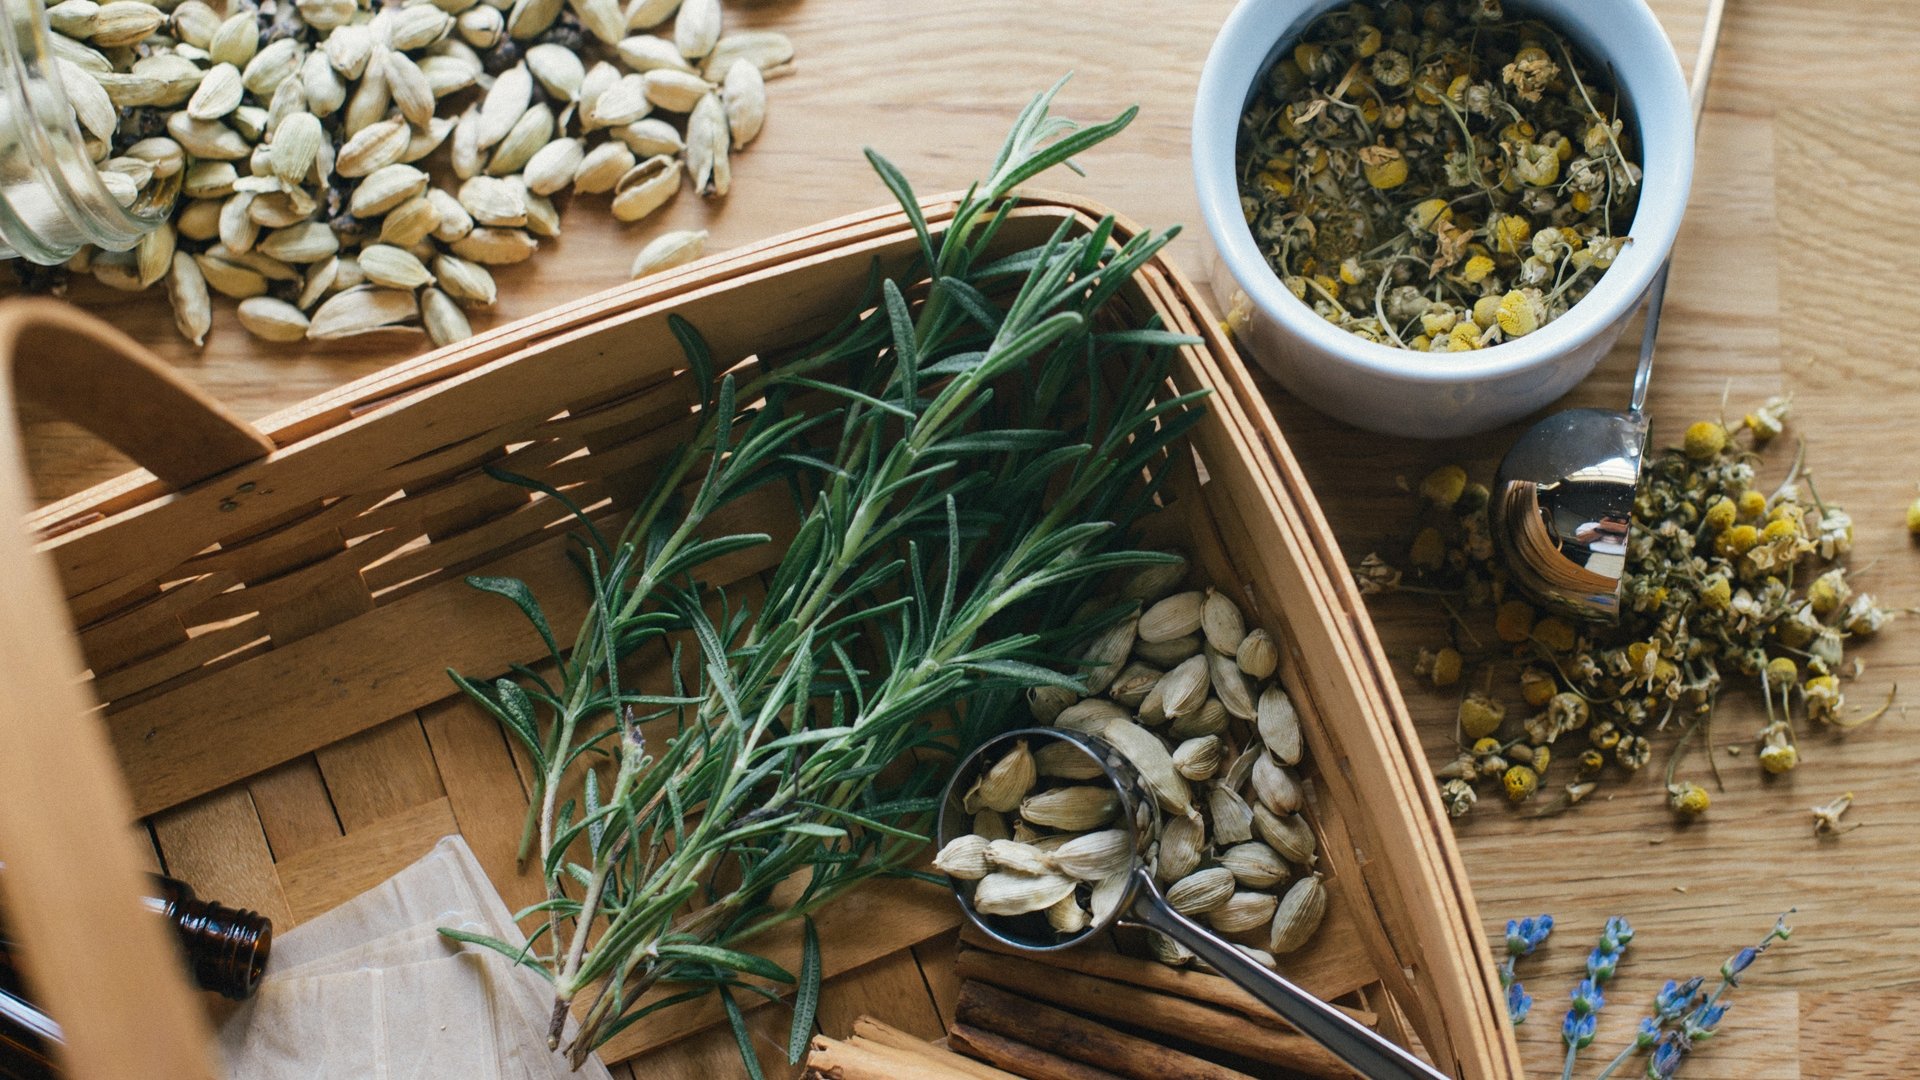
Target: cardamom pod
(272,320)
(1275,786)
(1075,809)
(1006,893)
(494,202)
(1106,653)
(1168,951)
(1199,758)
(1066,916)
(455,221)
(623,102)
(386,188)
(669,250)
(1230,685)
(153,256)
(990,826)
(645,188)
(528,19)
(1279,725)
(1209,719)
(602,18)
(552,167)
(965,857)
(372,148)
(745,95)
(1182,842)
(1201,891)
(445,323)
(1094,856)
(1298,915)
(1089,716)
(601,168)
(496,247)
(361,310)
(1258,656)
(410,222)
(1255,865)
(697,29)
(1232,817)
(1134,683)
(408,85)
(1154,581)
(649,137)
(506,100)
(1167,653)
(558,69)
(648,52)
(1289,834)
(393,267)
(523,140)
(1065,761)
(647,14)
(231,280)
(1108,894)
(307,242)
(1244,911)
(1149,757)
(1184,689)
(1175,616)
(1021,858)
(296,142)
(187,294)
(272,65)
(125,22)
(675,91)
(1005,783)
(767,50)
(1221,623)
(208,139)
(465,281)
(417,26)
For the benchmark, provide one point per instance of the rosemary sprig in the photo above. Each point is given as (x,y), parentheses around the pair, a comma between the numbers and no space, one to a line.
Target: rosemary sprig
(992,435)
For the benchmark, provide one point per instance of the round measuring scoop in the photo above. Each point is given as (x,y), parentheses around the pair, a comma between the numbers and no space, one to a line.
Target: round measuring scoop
(1562,504)
(1143,905)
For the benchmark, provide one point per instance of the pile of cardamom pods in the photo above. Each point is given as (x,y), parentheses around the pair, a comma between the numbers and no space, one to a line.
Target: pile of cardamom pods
(1186,694)
(284,141)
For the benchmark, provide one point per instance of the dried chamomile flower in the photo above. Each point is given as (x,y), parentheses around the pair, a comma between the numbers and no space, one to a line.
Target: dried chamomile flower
(1826,819)
(1688,799)
(1399,180)
(1727,579)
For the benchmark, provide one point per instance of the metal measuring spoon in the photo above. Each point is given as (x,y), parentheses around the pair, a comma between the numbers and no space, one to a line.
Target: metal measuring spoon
(1371,1054)
(1562,505)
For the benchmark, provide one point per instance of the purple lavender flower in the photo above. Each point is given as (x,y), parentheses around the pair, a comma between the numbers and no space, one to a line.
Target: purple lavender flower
(1519,1003)
(1577,1030)
(1666,1056)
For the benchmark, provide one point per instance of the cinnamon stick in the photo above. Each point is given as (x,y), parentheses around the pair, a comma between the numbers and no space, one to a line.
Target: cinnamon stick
(854,1059)
(1153,975)
(1150,1010)
(868,1030)
(1028,1061)
(994,1010)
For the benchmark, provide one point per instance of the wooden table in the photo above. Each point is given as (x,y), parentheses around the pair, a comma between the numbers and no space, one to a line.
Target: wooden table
(1813,133)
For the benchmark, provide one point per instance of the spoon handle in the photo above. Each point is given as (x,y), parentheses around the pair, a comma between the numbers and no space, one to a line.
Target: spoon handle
(1657,293)
(1366,1050)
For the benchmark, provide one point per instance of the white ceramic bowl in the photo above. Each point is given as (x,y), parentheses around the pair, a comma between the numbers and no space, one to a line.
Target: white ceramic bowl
(1431,395)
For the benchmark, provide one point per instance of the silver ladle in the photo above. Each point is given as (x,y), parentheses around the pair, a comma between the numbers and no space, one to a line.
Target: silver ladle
(1562,502)
(1366,1050)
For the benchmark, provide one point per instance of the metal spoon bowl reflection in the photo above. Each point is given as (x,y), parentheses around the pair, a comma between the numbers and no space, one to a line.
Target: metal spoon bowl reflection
(1368,1052)
(1562,501)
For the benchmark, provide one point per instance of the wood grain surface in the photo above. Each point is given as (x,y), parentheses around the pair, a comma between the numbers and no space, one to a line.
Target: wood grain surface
(1793,274)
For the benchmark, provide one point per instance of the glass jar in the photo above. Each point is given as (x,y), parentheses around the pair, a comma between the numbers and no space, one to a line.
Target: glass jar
(53,200)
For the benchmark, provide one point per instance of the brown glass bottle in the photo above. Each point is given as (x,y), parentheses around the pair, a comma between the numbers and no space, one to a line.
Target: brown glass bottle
(225,949)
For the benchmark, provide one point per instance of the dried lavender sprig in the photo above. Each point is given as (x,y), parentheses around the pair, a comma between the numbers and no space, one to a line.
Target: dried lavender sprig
(1678,1021)
(1588,997)
(1523,937)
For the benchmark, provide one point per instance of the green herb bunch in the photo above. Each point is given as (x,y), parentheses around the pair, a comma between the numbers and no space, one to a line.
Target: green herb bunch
(965,454)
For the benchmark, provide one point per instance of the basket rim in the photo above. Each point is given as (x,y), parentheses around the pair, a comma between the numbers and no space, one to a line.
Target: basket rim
(379,394)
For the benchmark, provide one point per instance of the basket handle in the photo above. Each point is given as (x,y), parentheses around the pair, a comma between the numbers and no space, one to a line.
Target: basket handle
(104,381)
(98,961)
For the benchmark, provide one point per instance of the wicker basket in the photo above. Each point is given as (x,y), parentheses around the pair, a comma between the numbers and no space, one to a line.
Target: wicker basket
(255,608)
